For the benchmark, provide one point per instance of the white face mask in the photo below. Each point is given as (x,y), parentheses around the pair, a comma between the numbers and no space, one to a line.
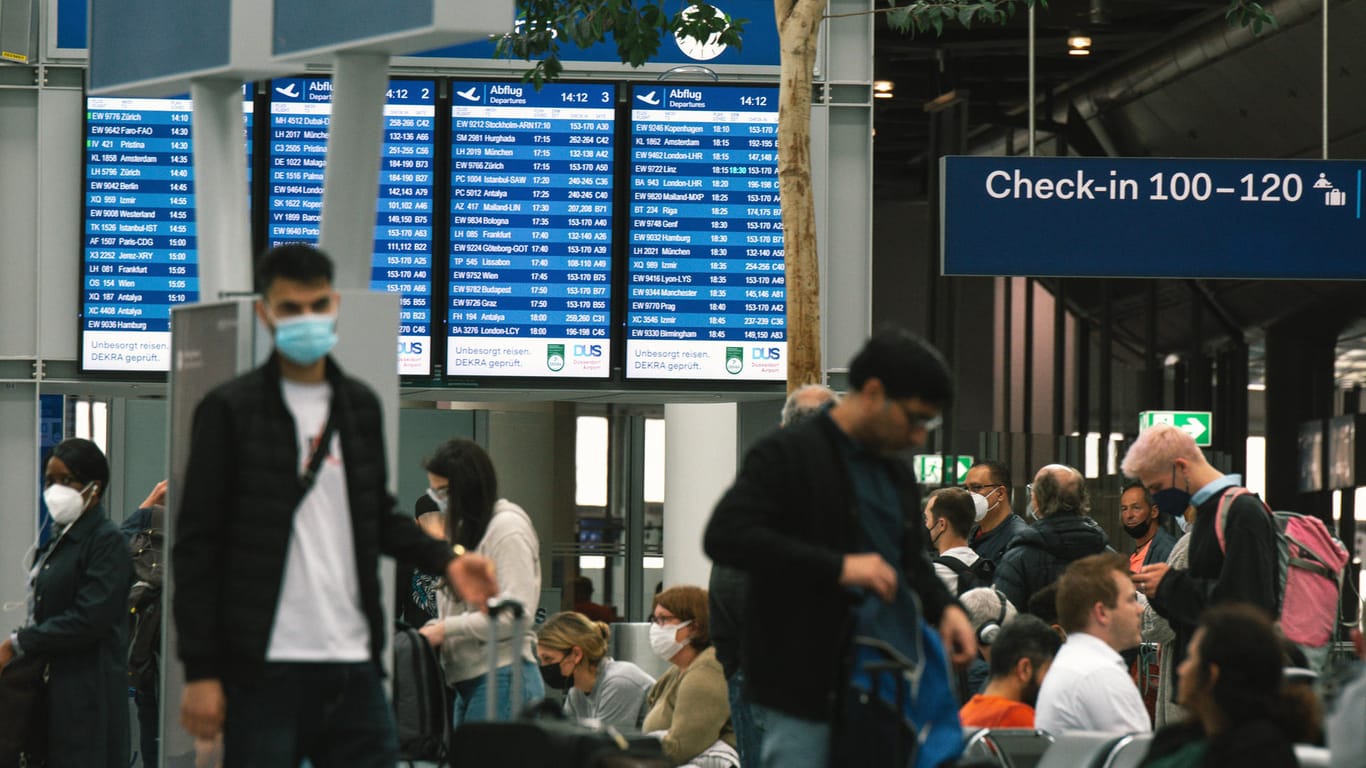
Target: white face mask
(979,503)
(440,498)
(65,503)
(662,640)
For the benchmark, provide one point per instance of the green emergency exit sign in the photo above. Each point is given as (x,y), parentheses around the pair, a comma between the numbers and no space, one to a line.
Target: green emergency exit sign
(1197,424)
(929,469)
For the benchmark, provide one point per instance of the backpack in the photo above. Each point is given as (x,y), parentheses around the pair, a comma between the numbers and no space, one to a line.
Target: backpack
(980,574)
(1309,564)
(147,547)
(144,602)
(421,716)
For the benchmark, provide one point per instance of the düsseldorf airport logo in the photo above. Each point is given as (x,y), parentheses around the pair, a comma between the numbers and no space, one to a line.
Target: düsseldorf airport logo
(554,357)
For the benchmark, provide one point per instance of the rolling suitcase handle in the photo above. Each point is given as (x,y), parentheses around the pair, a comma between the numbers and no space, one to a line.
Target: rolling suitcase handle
(499,605)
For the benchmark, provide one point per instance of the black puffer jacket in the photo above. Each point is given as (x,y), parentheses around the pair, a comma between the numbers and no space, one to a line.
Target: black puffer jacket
(1040,554)
(235,514)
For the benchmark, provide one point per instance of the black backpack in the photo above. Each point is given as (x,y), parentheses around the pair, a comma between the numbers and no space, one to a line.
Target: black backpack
(144,602)
(980,574)
(421,715)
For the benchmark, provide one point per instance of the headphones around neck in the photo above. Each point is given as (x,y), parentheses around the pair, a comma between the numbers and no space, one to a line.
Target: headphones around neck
(986,634)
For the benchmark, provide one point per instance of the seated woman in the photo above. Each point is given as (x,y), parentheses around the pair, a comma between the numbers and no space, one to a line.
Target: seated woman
(573,654)
(689,706)
(1231,684)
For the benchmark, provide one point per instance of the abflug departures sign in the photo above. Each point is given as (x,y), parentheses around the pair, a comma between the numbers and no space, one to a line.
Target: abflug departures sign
(1127,217)
(531,230)
(706,289)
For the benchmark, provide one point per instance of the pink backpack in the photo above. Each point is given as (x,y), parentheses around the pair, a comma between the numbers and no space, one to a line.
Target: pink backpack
(1309,571)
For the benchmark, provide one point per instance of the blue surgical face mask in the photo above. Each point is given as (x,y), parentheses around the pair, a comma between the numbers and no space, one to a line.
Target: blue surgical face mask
(304,339)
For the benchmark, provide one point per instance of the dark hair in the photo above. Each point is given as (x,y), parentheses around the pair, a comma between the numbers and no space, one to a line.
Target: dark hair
(472,488)
(1129,486)
(85,460)
(689,604)
(299,262)
(956,506)
(583,589)
(1044,603)
(1087,582)
(423,505)
(1023,637)
(1000,473)
(1243,643)
(907,365)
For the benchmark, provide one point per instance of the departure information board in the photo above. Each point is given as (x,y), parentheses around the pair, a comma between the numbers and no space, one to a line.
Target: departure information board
(531,230)
(706,289)
(300,109)
(139,247)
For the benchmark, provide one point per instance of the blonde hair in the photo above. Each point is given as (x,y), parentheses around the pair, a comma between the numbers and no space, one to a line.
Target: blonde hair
(1155,449)
(568,629)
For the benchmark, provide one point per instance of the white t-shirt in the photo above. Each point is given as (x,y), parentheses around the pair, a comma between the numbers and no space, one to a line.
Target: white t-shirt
(1088,688)
(319,616)
(949,576)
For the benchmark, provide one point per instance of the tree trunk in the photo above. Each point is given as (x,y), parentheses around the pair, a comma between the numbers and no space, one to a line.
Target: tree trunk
(798,23)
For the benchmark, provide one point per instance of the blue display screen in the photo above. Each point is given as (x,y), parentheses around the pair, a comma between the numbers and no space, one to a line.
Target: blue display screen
(140,248)
(1128,217)
(705,278)
(300,109)
(531,230)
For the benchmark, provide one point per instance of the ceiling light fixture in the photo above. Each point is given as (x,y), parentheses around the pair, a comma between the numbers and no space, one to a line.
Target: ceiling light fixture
(1078,44)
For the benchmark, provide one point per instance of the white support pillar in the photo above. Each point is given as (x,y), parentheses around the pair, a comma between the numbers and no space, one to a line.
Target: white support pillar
(699,465)
(351,180)
(222,226)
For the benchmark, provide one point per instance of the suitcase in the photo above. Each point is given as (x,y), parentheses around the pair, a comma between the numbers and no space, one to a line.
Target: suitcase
(538,738)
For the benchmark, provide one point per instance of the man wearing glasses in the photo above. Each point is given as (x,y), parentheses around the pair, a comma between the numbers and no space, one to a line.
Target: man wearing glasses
(826,521)
(993,534)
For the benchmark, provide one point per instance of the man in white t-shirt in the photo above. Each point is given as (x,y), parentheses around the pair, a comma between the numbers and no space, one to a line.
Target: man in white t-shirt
(1088,688)
(278,531)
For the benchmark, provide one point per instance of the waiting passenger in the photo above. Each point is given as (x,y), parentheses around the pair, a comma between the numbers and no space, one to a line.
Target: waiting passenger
(1230,680)
(1020,657)
(988,610)
(1088,687)
(599,687)
(949,514)
(1044,604)
(1141,520)
(998,529)
(1063,534)
(477,519)
(583,602)
(689,709)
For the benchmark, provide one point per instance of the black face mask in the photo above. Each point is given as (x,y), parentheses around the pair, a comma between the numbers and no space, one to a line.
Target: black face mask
(554,678)
(1137,532)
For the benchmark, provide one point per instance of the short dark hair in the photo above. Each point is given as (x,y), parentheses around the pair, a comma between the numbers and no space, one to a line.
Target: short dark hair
(956,506)
(1087,582)
(906,364)
(1129,486)
(1023,637)
(1241,640)
(472,489)
(300,262)
(1000,473)
(85,460)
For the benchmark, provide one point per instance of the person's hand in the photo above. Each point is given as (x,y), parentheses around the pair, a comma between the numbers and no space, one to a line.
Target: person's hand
(434,631)
(6,653)
(870,571)
(959,640)
(202,708)
(434,523)
(157,496)
(474,579)
(1149,577)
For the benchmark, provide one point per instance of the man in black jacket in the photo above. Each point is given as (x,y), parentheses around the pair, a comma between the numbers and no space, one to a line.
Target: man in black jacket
(276,554)
(1174,470)
(826,522)
(994,533)
(1064,533)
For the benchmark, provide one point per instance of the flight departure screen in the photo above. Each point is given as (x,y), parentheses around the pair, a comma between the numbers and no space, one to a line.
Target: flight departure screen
(139,248)
(706,294)
(300,109)
(531,230)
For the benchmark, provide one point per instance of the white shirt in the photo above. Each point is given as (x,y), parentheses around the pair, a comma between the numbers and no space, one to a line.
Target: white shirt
(319,616)
(1088,688)
(947,574)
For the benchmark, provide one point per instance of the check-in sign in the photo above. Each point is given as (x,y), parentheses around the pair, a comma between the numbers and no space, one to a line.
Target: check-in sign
(1197,424)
